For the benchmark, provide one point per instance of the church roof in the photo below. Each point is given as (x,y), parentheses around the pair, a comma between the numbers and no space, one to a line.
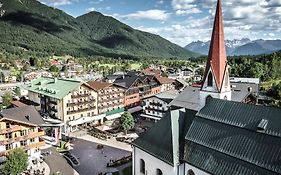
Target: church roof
(217,54)
(235,138)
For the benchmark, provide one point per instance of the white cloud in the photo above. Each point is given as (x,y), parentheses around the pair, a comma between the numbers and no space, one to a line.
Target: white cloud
(149,14)
(90,9)
(188,12)
(60,2)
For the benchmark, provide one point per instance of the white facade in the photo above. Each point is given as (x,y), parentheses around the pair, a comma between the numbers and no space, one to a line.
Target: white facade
(155,107)
(152,164)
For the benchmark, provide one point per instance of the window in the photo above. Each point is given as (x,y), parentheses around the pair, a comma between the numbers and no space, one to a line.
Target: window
(210,79)
(225,97)
(9,146)
(208,98)
(8,125)
(190,172)
(8,135)
(159,172)
(142,166)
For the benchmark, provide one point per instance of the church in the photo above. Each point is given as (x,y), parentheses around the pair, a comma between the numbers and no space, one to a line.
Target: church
(213,130)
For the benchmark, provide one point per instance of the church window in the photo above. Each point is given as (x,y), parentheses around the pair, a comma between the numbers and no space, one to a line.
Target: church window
(208,98)
(142,166)
(210,79)
(159,172)
(190,172)
(225,97)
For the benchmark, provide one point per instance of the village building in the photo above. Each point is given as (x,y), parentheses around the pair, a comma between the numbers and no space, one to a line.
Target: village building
(20,127)
(110,99)
(63,99)
(155,107)
(210,129)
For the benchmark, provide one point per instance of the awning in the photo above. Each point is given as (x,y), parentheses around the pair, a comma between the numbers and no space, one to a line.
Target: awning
(86,120)
(151,117)
(113,116)
(135,109)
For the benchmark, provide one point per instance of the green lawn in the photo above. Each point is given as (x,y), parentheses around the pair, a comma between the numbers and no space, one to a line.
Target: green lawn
(107,65)
(135,66)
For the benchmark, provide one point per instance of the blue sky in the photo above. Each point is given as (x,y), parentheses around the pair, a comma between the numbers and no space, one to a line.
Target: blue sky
(184,21)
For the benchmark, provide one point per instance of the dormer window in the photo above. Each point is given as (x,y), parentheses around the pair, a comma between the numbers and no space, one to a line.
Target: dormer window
(210,80)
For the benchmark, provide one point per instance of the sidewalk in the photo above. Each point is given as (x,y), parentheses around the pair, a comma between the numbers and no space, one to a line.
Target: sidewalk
(111,142)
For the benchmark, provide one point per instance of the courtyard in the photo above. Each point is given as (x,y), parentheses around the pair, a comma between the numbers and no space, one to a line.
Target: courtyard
(93,160)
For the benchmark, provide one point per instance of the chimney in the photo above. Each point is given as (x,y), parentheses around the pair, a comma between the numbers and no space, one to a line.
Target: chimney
(27,117)
(250,89)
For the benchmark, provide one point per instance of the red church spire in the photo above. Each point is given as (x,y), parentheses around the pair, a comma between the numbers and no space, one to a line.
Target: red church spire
(217,54)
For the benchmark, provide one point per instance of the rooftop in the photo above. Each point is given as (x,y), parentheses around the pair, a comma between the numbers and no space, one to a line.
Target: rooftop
(24,114)
(98,85)
(53,87)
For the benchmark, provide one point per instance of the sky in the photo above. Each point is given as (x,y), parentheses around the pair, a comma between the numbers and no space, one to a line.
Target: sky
(184,21)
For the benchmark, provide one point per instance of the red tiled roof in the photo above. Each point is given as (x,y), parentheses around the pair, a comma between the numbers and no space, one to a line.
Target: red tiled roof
(164,80)
(149,71)
(98,85)
(18,104)
(217,54)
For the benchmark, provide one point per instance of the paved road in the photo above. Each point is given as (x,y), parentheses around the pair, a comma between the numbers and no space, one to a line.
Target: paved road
(110,142)
(57,163)
(92,160)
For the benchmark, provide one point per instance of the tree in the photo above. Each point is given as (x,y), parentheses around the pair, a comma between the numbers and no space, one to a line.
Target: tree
(16,162)
(7,99)
(17,92)
(127,121)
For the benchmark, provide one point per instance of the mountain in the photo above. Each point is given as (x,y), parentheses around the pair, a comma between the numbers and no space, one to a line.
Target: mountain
(239,47)
(31,28)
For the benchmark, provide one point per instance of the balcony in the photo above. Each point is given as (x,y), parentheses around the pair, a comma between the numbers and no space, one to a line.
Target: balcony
(21,138)
(9,130)
(53,102)
(80,95)
(34,145)
(79,103)
(80,110)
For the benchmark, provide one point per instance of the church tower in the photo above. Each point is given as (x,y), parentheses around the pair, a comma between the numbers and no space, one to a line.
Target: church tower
(216,82)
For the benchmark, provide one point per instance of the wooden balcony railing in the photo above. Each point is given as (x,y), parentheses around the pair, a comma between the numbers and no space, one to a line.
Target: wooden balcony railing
(9,130)
(80,95)
(35,145)
(80,110)
(21,138)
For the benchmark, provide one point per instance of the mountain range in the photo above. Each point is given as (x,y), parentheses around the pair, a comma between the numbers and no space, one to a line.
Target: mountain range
(30,27)
(238,47)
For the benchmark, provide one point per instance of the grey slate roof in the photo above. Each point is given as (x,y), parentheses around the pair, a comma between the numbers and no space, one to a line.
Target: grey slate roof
(19,114)
(188,98)
(224,139)
(241,90)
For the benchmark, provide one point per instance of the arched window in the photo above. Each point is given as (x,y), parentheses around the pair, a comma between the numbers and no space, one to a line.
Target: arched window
(208,98)
(159,172)
(190,172)
(210,79)
(225,97)
(142,166)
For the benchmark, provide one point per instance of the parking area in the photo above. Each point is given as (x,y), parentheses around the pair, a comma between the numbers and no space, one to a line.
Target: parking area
(93,160)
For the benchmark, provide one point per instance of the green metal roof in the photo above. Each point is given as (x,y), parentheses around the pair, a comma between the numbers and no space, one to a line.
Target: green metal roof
(226,138)
(158,140)
(52,87)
